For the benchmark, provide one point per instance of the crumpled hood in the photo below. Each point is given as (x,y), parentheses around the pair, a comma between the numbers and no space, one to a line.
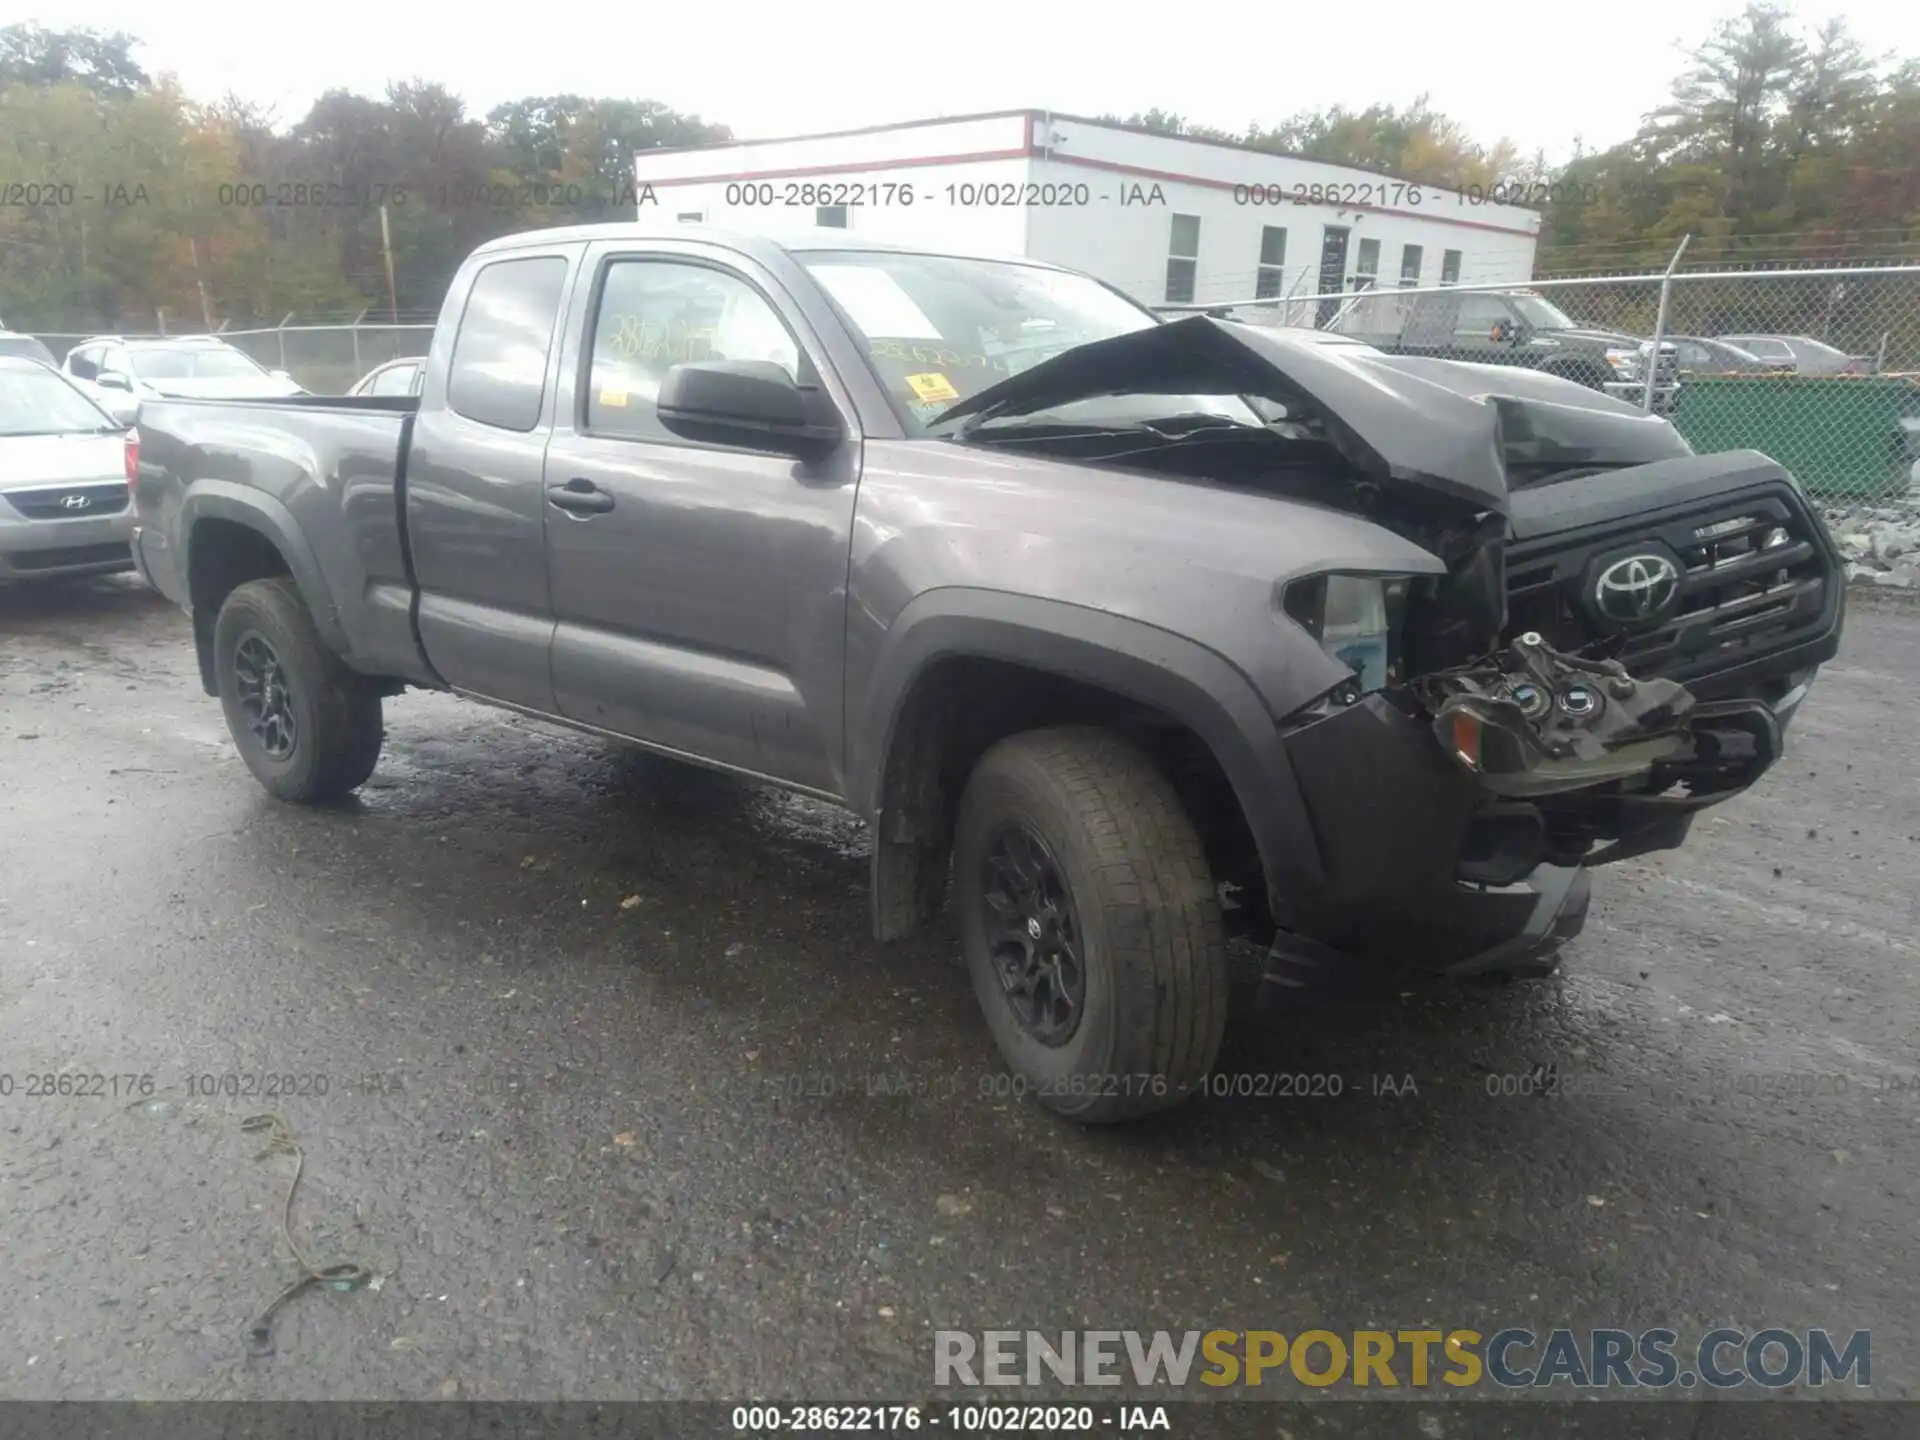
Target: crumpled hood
(1438,425)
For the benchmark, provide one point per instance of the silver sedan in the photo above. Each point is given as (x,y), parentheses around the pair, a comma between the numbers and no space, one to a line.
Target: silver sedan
(67,469)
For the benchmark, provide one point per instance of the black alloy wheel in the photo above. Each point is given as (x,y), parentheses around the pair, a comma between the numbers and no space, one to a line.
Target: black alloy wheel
(1034,934)
(264,695)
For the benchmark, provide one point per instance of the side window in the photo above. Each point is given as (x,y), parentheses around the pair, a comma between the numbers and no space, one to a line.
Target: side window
(499,365)
(655,314)
(115,357)
(1694,357)
(1432,322)
(84,362)
(1478,315)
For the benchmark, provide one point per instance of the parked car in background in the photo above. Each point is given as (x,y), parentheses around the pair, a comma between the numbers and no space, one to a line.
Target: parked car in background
(65,470)
(1699,355)
(1803,354)
(200,367)
(26,347)
(986,553)
(396,377)
(1509,327)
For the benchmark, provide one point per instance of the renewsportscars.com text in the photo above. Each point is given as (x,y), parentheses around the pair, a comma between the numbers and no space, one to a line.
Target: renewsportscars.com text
(1513,1358)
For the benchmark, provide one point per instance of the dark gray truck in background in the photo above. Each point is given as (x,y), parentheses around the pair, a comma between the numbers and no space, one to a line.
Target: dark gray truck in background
(1512,327)
(1119,633)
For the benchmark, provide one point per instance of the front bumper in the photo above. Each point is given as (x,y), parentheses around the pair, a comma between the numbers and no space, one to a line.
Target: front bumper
(46,549)
(1426,868)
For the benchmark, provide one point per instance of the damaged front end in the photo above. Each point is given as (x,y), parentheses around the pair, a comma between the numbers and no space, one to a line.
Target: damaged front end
(1458,812)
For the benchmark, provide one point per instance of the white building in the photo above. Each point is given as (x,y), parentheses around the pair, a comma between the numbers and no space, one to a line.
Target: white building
(1167,219)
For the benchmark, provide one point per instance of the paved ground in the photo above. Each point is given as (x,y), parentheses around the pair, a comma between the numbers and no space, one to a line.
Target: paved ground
(558,996)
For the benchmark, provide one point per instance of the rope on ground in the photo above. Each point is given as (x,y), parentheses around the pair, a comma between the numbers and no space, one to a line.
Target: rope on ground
(345,1276)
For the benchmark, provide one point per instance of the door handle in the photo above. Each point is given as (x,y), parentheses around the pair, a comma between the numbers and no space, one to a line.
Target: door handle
(580,497)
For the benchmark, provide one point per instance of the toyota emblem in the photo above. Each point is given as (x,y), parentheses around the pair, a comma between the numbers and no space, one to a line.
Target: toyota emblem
(1636,589)
(74,502)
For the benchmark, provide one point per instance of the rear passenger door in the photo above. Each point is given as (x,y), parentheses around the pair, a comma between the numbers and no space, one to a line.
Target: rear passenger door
(476,517)
(1429,328)
(699,590)
(1478,334)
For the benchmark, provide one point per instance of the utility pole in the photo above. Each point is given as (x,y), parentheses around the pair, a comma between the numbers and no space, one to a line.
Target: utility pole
(206,309)
(386,246)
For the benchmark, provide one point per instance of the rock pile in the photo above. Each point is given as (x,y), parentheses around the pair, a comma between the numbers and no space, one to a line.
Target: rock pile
(1881,542)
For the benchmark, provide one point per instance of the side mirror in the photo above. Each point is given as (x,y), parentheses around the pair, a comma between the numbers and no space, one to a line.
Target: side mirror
(113,380)
(750,404)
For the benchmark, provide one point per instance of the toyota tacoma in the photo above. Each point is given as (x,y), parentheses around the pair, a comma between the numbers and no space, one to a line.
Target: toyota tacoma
(1121,634)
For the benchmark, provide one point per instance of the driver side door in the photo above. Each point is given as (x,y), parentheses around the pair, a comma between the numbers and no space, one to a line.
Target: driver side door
(699,590)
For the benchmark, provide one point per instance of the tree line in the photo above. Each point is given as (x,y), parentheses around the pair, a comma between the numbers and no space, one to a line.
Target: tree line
(123,198)
(1775,146)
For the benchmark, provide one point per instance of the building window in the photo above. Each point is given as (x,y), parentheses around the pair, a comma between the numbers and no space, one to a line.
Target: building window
(1449,267)
(1410,264)
(1366,265)
(692,217)
(831,217)
(1273,257)
(1183,259)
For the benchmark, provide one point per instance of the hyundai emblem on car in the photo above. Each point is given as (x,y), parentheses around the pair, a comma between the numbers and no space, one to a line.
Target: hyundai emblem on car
(74,502)
(1636,589)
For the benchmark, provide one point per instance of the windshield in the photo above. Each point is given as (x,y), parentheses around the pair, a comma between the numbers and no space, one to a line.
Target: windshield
(1542,314)
(195,362)
(26,347)
(34,401)
(939,329)
(1817,348)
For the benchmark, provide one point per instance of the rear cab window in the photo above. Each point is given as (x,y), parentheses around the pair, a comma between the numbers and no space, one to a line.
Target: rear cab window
(498,373)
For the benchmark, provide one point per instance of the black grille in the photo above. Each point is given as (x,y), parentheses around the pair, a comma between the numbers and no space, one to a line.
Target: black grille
(1753,578)
(62,502)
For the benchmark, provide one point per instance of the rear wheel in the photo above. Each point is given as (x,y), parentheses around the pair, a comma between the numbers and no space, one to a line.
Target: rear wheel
(1091,924)
(308,727)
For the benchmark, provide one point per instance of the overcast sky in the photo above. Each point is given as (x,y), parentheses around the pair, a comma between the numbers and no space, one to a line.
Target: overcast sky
(1542,74)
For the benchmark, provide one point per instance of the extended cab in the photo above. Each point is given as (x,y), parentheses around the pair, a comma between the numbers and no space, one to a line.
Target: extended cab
(1510,327)
(1117,632)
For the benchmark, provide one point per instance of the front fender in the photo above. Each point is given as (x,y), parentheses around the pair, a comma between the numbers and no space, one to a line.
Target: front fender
(1189,682)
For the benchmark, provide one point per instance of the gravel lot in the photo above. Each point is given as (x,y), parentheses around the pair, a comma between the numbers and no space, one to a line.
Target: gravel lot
(600,1040)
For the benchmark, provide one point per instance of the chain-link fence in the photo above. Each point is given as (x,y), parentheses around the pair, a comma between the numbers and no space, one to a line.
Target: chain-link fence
(327,359)
(1818,368)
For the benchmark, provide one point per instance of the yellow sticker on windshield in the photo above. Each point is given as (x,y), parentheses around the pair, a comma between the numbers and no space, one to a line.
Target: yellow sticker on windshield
(616,398)
(934,388)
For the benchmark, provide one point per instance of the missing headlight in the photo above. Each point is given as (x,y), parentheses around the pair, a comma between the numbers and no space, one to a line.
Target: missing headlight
(1356,619)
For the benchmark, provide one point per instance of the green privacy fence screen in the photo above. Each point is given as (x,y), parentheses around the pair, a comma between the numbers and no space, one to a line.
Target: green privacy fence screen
(1842,435)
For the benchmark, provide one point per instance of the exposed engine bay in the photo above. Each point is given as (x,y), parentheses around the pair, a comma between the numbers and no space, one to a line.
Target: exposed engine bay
(1464,777)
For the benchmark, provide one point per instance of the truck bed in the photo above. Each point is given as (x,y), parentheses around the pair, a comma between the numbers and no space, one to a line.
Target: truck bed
(327,473)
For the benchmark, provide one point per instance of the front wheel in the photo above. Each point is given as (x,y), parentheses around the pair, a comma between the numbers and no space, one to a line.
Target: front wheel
(1091,924)
(308,727)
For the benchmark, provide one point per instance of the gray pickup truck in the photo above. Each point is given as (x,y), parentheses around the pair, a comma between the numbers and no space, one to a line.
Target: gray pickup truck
(1122,635)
